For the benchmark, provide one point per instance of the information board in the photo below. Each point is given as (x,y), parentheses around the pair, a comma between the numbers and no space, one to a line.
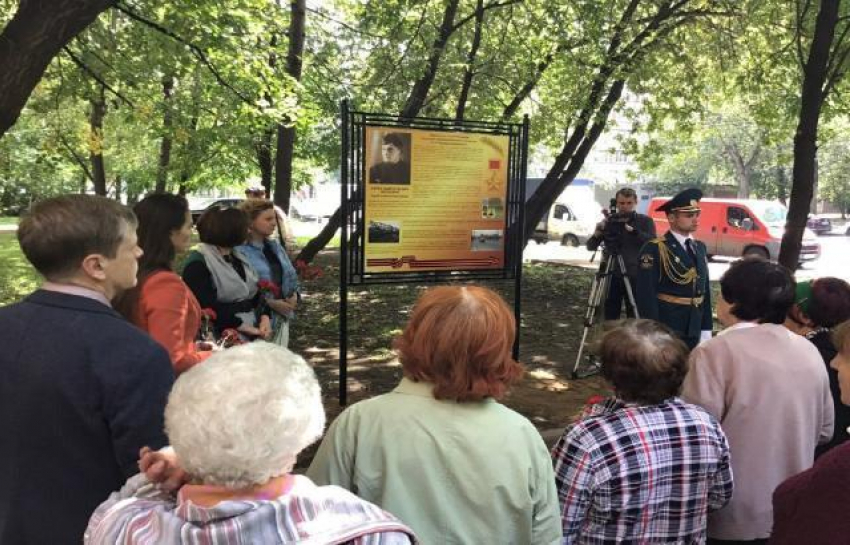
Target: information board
(434,200)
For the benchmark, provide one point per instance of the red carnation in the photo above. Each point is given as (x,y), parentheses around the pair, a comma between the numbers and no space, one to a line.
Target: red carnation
(270,288)
(307,271)
(594,399)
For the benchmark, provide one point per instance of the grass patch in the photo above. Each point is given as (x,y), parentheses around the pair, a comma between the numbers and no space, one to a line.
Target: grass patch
(8,220)
(302,241)
(17,277)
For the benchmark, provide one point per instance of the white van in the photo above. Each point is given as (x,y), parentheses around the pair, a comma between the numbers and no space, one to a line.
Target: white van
(561,223)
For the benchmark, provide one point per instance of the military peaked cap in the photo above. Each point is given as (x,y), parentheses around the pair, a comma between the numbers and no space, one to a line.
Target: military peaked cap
(684,201)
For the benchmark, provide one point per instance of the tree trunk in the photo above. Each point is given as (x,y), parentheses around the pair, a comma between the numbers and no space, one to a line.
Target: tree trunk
(734,155)
(190,148)
(133,195)
(469,72)
(165,144)
(117,187)
(286,135)
(569,162)
(182,189)
(813,207)
(283,166)
(98,170)
(309,251)
(743,168)
(420,90)
(781,182)
(264,158)
(619,61)
(805,139)
(557,179)
(34,35)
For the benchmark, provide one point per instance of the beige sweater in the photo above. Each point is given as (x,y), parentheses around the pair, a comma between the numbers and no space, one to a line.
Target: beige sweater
(769,389)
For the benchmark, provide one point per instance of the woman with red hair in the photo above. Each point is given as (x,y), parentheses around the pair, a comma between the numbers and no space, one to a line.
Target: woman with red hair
(439,451)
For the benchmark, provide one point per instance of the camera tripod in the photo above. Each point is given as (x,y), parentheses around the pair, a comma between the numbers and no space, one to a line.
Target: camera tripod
(598,295)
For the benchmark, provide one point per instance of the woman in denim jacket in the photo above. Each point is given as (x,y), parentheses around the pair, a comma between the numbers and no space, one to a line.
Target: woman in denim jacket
(278,278)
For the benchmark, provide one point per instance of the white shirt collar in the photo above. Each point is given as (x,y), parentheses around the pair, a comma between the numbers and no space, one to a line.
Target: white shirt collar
(681,238)
(73,289)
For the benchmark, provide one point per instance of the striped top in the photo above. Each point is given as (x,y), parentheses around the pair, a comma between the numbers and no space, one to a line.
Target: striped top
(141,513)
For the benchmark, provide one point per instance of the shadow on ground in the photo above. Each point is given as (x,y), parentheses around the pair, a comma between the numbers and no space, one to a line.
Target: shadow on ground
(553,307)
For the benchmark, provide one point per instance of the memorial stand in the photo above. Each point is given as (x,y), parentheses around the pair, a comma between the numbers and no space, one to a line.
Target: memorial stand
(495,247)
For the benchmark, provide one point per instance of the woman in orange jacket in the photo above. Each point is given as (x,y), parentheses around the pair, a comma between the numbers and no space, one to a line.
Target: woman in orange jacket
(161,303)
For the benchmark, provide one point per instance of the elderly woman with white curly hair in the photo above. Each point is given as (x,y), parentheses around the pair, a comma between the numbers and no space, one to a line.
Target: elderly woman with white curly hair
(236,425)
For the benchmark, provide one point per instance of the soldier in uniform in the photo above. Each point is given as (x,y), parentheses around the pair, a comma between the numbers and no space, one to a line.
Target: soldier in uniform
(672,282)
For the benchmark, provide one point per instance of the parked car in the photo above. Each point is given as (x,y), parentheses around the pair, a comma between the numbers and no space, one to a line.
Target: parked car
(741,227)
(819,225)
(218,203)
(311,210)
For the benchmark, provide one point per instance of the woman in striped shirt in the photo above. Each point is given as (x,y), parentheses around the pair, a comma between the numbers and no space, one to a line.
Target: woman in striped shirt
(236,425)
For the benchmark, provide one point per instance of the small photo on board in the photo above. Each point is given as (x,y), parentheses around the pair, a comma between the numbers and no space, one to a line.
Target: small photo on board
(492,208)
(390,158)
(384,232)
(484,240)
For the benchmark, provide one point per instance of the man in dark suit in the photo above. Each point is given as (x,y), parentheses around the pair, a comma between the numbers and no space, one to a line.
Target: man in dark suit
(632,231)
(672,284)
(82,390)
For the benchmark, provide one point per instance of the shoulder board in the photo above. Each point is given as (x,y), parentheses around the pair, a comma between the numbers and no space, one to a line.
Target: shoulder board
(659,240)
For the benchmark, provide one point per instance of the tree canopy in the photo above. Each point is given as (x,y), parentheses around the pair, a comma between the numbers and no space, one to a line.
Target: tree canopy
(189,94)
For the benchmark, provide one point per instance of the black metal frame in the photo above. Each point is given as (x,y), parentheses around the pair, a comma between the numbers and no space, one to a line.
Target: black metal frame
(352,228)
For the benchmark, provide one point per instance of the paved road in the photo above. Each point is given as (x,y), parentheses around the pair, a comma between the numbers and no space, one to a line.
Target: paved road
(834,260)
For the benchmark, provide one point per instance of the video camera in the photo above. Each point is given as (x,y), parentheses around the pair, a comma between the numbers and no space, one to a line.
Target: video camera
(615,227)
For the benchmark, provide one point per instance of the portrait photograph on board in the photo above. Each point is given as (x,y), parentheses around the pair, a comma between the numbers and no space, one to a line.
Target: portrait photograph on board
(390,161)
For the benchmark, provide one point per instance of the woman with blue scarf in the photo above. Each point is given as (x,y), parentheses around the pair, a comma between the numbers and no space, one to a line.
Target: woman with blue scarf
(277,277)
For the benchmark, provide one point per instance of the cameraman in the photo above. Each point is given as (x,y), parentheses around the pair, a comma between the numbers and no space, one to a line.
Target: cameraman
(624,232)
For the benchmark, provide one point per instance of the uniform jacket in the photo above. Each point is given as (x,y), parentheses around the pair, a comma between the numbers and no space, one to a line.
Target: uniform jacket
(655,278)
(390,173)
(81,391)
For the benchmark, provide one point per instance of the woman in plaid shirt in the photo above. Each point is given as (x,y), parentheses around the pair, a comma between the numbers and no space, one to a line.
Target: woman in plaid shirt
(643,466)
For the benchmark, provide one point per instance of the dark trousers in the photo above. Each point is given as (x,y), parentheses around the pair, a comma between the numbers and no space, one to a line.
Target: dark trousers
(712,541)
(616,296)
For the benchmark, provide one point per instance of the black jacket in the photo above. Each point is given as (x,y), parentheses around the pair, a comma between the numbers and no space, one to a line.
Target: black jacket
(823,342)
(631,243)
(81,391)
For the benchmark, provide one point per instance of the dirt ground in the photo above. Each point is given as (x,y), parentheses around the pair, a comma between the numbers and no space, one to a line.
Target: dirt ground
(553,308)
